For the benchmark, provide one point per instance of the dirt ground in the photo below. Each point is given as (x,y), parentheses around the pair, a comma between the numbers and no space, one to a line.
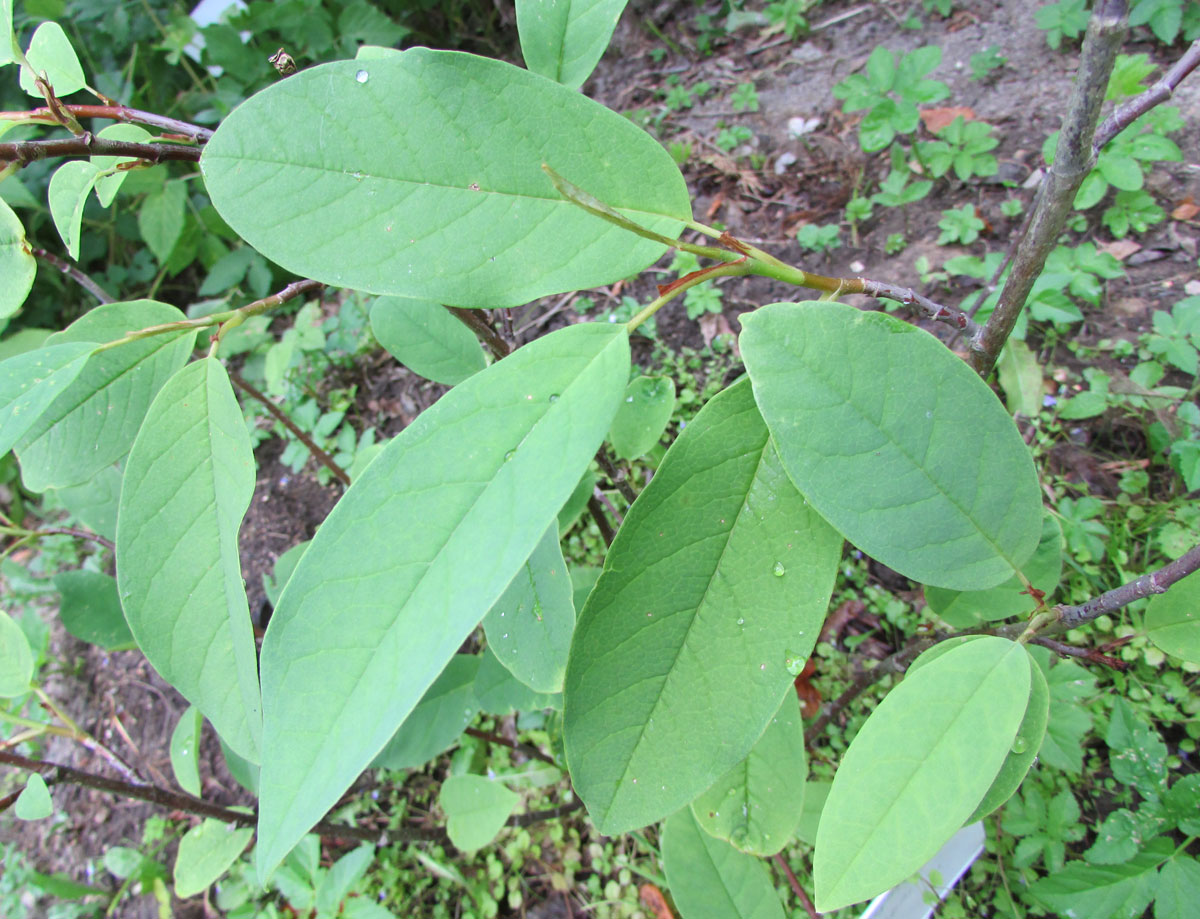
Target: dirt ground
(804,179)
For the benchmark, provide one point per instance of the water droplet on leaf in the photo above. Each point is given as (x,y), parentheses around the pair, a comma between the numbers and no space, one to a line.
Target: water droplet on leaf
(779,570)
(362,76)
(1019,744)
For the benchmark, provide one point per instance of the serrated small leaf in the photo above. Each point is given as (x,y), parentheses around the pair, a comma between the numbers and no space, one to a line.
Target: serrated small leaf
(1120,171)
(1118,891)
(185,750)
(34,803)
(895,441)
(710,879)
(438,526)
(1173,619)
(188,482)
(17,264)
(498,692)
(757,805)
(50,52)
(565,40)
(16,659)
(918,768)
(107,186)
(427,339)
(964,609)
(1178,888)
(449,204)
(160,219)
(476,809)
(80,434)
(715,586)
(30,382)
(643,416)
(438,720)
(206,852)
(529,628)
(1183,803)
(91,609)
(69,189)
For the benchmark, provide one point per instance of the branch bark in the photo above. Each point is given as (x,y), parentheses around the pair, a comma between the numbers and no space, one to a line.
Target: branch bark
(121,113)
(1156,582)
(87,144)
(73,272)
(1072,161)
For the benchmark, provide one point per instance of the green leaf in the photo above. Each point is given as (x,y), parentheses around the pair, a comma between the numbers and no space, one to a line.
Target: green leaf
(427,339)
(436,533)
(69,189)
(437,721)
(1070,722)
(91,609)
(1020,378)
(476,808)
(447,203)
(80,434)
(1120,171)
(16,659)
(710,879)
(160,220)
(185,750)
(6,32)
(815,796)
(895,441)
(341,878)
(1173,619)
(529,628)
(50,53)
(107,186)
(918,768)
(206,852)
(498,692)
(1183,804)
(95,501)
(565,40)
(188,483)
(284,566)
(715,585)
(756,806)
(1102,891)
(33,803)
(964,609)
(17,264)
(643,416)
(29,382)
(1178,888)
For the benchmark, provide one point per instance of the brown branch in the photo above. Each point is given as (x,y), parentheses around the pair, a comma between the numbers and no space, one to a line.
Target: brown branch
(956,318)
(77,532)
(1156,582)
(1072,160)
(1091,655)
(473,320)
(597,512)
(1128,112)
(528,750)
(87,144)
(279,415)
(72,271)
(122,113)
(794,882)
(617,478)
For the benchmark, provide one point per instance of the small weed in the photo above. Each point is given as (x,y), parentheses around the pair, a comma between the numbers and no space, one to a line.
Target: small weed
(1131,211)
(962,146)
(890,91)
(959,225)
(819,238)
(985,63)
(1012,208)
(744,98)
(1065,19)
(895,244)
(729,138)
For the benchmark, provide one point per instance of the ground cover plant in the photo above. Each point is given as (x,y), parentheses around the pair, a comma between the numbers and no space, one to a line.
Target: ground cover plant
(663,685)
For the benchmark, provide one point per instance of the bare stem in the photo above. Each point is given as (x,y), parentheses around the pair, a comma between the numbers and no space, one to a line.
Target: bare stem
(530,751)
(473,320)
(794,883)
(1128,112)
(122,113)
(281,416)
(87,144)
(1072,160)
(1156,582)
(72,271)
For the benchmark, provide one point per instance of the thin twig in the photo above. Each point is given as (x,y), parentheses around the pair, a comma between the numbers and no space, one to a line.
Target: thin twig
(616,477)
(527,749)
(78,533)
(279,415)
(73,272)
(88,144)
(116,113)
(1156,582)
(1071,164)
(794,882)
(1128,112)
(597,512)
(1088,654)
(474,321)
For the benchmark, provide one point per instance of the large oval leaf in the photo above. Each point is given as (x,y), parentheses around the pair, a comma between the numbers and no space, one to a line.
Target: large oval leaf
(93,421)
(530,626)
(757,805)
(31,381)
(418,549)
(1173,619)
(712,880)
(918,768)
(895,441)
(420,174)
(188,482)
(719,578)
(565,39)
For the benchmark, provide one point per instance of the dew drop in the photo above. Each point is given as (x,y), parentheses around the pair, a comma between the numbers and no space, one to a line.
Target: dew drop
(362,76)
(779,570)
(793,662)
(509,455)
(762,666)
(629,398)
(1019,744)
(741,621)
(553,397)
